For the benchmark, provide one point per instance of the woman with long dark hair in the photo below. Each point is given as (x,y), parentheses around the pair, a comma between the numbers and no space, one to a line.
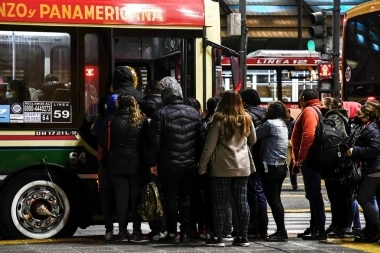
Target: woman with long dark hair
(230,134)
(273,150)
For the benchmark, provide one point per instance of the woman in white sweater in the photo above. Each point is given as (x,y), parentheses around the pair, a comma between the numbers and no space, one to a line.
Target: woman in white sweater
(230,134)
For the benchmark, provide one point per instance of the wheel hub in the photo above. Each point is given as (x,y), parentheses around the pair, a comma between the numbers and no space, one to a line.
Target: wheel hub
(38,208)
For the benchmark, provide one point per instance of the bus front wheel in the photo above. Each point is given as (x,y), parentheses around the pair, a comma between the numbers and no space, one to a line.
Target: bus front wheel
(33,207)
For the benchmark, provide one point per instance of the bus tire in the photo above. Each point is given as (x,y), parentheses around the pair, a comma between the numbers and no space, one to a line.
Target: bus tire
(30,207)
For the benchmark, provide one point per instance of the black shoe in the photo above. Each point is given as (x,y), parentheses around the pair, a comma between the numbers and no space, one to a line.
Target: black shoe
(330,229)
(172,239)
(295,187)
(184,237)
(241,241)
(279,236)
(315,235)
(370,236)
(306,232)
(215,242)
(337,233)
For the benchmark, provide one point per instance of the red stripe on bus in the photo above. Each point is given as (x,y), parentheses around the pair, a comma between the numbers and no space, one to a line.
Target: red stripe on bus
(37,137)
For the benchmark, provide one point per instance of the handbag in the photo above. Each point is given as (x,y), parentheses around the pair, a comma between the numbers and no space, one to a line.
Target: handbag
(352,173)
(350,170)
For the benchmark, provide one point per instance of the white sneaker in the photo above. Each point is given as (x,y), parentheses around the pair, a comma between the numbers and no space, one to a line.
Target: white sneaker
(108,236)
(228,238)
(159,236)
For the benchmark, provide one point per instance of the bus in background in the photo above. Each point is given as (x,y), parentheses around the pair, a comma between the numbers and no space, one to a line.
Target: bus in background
(361,53)
(56,63)
(278,75)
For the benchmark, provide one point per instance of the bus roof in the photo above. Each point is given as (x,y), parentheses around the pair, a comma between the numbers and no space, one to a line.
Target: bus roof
(367,7)
(283,53)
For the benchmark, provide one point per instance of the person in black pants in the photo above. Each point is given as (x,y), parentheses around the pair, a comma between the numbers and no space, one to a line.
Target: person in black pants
(273,151)
(173,150)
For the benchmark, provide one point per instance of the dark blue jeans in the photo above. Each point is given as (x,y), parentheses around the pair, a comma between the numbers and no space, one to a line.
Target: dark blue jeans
(312,182)
(258,221)
(367,199)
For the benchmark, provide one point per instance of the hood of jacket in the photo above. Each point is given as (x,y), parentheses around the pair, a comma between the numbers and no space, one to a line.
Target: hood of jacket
(123,77)
(171,91)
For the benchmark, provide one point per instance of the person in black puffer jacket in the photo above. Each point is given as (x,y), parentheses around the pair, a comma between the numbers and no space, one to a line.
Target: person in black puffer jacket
(153,99)
(125,81)
(124,133)
(367,151)
(258,223)
(173,151)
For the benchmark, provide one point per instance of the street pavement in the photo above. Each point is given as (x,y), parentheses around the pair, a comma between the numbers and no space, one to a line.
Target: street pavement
(297,218)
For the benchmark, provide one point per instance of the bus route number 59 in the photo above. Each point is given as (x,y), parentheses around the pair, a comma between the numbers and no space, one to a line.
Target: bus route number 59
(61,113)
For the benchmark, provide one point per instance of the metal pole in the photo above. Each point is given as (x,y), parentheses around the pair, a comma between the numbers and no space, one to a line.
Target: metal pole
(336,36)
(243,42)
(300,25)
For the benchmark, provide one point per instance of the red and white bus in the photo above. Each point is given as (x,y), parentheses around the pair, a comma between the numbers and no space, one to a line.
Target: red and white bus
(278,74)
(48,167)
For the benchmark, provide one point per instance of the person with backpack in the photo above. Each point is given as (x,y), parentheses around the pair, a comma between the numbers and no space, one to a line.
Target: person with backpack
(340,198)
(366,150)
(302,139)
(258,220)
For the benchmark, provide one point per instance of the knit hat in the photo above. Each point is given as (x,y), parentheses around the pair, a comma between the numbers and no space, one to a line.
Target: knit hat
(251,97)
(172,90)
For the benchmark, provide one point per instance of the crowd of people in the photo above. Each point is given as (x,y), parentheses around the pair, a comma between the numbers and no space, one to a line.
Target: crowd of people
(218,168)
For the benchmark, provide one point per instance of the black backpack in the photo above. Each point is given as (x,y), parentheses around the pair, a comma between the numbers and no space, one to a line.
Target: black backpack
(328,145)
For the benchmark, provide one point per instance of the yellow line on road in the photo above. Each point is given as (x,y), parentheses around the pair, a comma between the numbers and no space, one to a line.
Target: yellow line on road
(55,240)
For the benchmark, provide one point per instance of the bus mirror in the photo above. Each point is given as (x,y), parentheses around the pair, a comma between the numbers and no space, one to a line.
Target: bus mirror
(236,75)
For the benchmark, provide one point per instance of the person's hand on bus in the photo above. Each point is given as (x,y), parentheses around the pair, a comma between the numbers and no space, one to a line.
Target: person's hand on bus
(153,170)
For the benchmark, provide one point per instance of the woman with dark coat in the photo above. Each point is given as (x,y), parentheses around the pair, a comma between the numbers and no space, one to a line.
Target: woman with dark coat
(123,137)
(367,150)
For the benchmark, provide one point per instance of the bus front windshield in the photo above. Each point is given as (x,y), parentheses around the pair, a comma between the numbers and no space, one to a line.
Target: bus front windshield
(361,76)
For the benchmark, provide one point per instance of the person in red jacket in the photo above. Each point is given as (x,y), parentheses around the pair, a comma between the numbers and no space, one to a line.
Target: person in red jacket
(302,139)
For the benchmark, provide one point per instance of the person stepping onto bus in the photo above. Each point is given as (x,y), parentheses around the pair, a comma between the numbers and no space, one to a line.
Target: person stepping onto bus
(274,135)
(173,150)
(125,80)
(258,222)
(124,133)
(302,138)
(229,136)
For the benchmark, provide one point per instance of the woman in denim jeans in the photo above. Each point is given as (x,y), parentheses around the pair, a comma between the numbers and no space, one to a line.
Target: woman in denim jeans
(274,135)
